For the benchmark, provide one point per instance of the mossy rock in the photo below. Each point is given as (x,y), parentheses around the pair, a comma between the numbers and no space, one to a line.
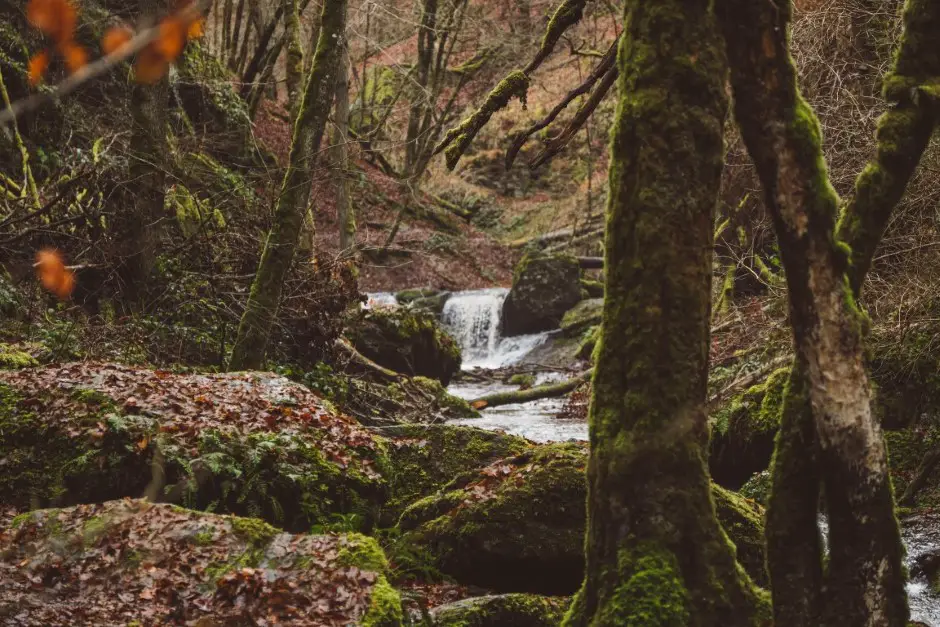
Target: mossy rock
(14,358)
(743,431)
(130,562)
(423,458)
(407,341)
(593,289)
(518,524)
(586,314)
(589,340)
(502,610)
(544,287)
(245,443)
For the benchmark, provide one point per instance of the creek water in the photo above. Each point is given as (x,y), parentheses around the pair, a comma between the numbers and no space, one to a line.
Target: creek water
(473,318)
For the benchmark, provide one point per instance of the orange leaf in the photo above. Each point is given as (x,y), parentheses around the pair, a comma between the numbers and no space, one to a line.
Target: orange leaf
(150,66)
(56,18)
(197,29)
(171,38)
(37,67)
(116,37)
(75,56)
(52,273)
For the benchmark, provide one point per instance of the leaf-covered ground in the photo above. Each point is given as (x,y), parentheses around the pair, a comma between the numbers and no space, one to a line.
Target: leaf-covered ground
(133,562)
(245,443)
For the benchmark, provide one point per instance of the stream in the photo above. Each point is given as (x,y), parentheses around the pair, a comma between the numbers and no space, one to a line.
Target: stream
(473,317)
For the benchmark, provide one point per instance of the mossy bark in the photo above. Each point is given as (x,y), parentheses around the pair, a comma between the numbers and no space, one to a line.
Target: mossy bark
(656,554)
(281,244)
(829,395)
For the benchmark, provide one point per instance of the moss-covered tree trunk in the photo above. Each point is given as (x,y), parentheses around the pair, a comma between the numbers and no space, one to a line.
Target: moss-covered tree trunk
(281,243)
(828,429)
(345,214)
(656,554)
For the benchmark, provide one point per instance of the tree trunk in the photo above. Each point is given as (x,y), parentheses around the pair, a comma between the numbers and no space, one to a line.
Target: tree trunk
(294,71)
(281,244)
(656,555)
(141,229)
(864,584)
(345,214)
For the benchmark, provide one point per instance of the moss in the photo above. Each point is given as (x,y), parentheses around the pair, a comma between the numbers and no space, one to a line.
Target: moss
(742,520)
(458,139)
(363,552)
(582,316)
(522,380)
(518,610)
(385,607)
(651,592)
(256,532)
(20,519)
(12,358)
(93,529)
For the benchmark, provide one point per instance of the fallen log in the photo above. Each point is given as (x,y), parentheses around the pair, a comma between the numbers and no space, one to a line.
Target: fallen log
(549,390)
(363,362)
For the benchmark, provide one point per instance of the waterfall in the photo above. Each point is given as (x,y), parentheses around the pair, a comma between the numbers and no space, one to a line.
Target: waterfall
(473,319)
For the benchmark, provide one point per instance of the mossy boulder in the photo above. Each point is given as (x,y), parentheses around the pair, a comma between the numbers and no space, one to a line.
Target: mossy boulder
(905,371)
(593,289)
(132,562)
(407,341)
(586,314)
(544,287)
(245,443)
(502,610)
(743,431)
(517,525)
(423,458)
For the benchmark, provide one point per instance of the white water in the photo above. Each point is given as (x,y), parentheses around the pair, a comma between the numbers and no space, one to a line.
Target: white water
(473,319)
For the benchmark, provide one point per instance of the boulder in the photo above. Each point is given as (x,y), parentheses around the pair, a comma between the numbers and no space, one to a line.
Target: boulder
(743,431)
(407,341)
(502,610)
(423,458)
(544,287)
(243,443)
(517,525)
(132,562)
(586,314)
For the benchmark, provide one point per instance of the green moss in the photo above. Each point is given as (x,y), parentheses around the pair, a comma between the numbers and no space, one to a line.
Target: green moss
(93,529)
(12,358)
(586,314)
(522,380)
(651,592)
(518,610)
(256,532)
(363,552)
(20,519)
(458,139)
(385,607)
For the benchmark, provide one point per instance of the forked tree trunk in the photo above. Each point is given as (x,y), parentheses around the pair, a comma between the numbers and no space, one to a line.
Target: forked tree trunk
(656,554)
(281,244)
(828,428)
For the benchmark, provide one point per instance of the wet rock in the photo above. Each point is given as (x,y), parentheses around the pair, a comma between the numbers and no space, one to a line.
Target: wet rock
(584,315)
(407,341)
(134,562)
(544,287)
(244,443)
(502,610)
(517,525)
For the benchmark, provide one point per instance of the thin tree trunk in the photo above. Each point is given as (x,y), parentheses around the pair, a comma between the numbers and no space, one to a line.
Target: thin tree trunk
(345,214)
(261,309)
(864,584)
(141,228)
(656,554)
(294,70)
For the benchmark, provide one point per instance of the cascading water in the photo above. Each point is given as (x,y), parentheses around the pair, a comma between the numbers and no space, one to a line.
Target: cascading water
(380,299)
(473,319)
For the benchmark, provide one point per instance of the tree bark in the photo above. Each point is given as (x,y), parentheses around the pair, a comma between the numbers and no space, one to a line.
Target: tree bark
(141,229)
(656,555)
(864,584)
(261,309)
(345,214)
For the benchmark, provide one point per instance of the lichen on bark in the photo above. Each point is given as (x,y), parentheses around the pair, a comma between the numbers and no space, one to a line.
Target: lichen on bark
(656,554)
(828,428)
